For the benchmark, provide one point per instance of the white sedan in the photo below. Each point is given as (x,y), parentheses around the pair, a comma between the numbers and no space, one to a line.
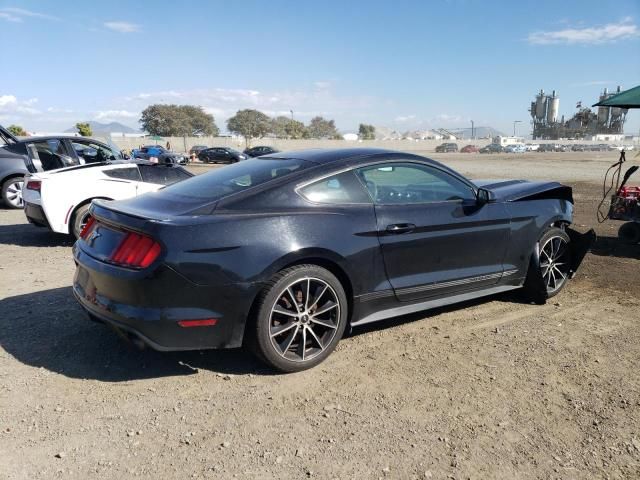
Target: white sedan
(60,199)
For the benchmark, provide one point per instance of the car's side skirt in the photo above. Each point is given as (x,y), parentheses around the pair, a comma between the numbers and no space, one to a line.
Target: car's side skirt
(432,303)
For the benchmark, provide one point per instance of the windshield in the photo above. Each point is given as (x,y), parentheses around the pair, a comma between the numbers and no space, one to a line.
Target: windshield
(235,178)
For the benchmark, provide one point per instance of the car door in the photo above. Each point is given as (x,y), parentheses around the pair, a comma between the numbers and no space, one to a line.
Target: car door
(48,154)
(436,238)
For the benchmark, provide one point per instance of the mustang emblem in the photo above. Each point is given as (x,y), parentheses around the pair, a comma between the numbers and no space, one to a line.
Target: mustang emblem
(93,237)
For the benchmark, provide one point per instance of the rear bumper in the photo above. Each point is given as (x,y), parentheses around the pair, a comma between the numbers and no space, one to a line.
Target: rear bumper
(35,215)
(149,306)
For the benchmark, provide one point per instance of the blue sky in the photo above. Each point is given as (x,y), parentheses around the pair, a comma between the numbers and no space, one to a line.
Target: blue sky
(400,64)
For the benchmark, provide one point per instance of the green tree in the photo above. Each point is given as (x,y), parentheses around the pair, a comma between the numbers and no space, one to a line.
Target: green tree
(17,130)
(250,124)
(295,129)
(321,128)
(367,132)
(285,127)
(178,121)
(84,129)
(279,126)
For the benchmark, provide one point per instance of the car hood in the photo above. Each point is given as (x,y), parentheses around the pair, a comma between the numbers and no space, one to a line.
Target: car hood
(518,190)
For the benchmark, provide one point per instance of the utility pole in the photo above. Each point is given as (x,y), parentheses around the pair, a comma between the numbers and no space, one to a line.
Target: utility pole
(473,133)
(514,126)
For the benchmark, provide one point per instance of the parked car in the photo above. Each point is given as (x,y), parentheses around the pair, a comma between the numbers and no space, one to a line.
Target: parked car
(469,149)
(515,148)
(157,153)
(52,152)
(283,253)
(220,155)
(447,147)
(492,148)
(546,147)
(577,148)
(259,151)
(197,149)
(532,147)
(60,199)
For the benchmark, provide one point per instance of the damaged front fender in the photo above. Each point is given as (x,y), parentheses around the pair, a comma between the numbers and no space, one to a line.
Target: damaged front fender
(580,245)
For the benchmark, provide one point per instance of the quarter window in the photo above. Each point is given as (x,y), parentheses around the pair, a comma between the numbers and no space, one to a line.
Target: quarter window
(128,173)
(163,175)
(406,183)
(342,188)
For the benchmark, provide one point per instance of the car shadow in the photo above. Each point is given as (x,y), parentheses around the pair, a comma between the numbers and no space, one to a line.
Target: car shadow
(49,330)
(614,247)
(27,235)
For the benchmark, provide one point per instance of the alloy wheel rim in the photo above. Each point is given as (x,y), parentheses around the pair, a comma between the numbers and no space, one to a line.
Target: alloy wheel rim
(14,194)
(304,319)
(554,262)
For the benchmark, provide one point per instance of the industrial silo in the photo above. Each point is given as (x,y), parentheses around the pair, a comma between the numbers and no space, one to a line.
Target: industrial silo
(541,106)
(553,106)
(603,112)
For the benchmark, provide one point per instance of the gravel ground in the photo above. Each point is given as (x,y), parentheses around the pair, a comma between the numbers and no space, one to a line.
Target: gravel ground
(489,389)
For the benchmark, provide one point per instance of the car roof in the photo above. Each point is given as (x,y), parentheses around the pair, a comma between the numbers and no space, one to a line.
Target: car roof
(325,155)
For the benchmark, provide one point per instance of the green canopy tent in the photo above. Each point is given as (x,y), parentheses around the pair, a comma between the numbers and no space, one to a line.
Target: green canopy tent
(627,99)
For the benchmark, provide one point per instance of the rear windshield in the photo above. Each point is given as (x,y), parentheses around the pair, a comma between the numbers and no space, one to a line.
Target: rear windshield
(235,178)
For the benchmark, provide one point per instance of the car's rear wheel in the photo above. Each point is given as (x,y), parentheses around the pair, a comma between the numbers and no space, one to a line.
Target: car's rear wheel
(80,218)
(629,232)
(551,274)
(12,192)
(300,317)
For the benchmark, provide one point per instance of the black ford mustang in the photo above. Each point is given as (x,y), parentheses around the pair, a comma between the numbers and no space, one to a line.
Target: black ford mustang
(283,252)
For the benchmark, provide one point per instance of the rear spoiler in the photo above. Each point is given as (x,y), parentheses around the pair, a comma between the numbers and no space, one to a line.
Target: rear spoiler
(7,136)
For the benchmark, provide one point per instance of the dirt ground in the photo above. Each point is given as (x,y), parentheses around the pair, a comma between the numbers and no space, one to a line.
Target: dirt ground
(490,389)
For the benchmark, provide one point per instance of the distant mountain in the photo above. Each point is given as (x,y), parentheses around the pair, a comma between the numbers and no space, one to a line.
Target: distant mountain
(480,132)
(105,128)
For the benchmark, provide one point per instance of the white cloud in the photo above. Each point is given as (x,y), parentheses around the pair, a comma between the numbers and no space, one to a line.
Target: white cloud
(11,105)
(12,14)
(115,114)
(611,32)
(322,85)
(405,118)
(10,17)
(123,27)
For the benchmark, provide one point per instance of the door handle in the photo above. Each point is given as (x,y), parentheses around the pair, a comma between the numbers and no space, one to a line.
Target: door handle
(398,228)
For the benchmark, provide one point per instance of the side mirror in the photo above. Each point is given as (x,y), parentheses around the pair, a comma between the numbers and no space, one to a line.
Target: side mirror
(485,196)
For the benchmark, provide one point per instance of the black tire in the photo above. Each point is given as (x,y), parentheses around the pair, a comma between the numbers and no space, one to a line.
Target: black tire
(12,192)
(284,351)
(79,220)
(548,276)
(629,233)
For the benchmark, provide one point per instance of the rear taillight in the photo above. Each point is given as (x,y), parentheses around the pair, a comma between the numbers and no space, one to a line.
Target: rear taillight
(34,185)
(84,233)
(137,251)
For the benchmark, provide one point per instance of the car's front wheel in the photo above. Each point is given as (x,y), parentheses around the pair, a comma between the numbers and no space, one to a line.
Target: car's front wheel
(551,274)
(12,192)
(300,317)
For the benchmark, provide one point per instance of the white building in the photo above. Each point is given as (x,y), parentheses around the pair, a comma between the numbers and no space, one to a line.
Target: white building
(500,140)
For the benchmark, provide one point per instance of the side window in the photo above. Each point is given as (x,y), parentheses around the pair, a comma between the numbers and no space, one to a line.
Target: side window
(341,188)
(52,154)
(405,183)
(128,173)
